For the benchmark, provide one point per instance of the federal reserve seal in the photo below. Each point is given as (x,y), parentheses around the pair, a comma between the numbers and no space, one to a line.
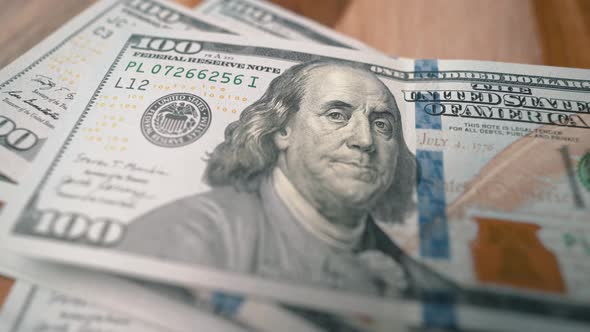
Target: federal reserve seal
(176,120)
(584,170)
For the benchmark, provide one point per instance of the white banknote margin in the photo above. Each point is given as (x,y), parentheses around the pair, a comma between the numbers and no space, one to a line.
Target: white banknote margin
(55,41)
(113,293)
(15,299)
(187,276)
(267,316)
(470,317)
(21,308)
(6,191)
(208,5)
(514,69)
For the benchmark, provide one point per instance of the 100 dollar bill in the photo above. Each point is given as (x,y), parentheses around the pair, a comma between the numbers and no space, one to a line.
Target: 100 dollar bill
(128,304)
(160,110)
(62,288)
(124,187)
(266,19)
(28,307)
(37,89)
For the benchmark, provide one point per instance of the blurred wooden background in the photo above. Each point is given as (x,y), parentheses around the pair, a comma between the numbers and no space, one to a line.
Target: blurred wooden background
(551,32)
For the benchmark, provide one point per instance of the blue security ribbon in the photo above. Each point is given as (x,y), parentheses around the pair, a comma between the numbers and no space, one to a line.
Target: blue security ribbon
(432,218)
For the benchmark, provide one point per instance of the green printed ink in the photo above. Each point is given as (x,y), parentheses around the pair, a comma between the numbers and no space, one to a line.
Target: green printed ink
(584,170)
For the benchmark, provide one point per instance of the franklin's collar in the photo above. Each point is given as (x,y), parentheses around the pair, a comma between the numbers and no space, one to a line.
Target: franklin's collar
(307,216)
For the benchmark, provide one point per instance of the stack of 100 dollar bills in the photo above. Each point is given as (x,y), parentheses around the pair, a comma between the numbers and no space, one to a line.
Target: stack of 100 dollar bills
(237,167)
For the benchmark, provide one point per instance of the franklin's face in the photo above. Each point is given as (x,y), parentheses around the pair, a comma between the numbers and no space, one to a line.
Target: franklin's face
(340,149)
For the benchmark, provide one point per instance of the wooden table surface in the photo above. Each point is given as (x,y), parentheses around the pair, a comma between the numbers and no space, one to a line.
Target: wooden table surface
(551,32)
(5,287)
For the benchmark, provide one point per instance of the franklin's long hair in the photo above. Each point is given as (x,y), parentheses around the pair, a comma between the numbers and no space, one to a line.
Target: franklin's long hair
(248,154)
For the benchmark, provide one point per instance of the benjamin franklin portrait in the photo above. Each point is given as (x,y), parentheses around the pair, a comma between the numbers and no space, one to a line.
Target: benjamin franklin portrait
(299,187)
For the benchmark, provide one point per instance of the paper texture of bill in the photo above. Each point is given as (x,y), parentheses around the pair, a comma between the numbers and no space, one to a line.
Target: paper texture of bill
(161,309)
(48,296)
(503,201)
(29,307)
(208,84)
(26,305)
(204,162)
(266,19)
(531,162)
(125,297)
(507,148)
(174,309)
(37,89)
(6,191)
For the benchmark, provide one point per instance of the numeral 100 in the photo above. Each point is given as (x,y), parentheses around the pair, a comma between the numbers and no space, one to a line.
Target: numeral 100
(16,138)
(76,227)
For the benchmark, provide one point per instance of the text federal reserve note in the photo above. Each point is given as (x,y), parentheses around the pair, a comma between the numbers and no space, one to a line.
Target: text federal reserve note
(266,19)
(36,89)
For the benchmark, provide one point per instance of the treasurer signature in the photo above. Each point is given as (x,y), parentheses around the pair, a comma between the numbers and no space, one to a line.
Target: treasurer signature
(31,102)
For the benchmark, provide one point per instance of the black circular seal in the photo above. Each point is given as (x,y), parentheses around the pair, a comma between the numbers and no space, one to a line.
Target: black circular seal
(175,120)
